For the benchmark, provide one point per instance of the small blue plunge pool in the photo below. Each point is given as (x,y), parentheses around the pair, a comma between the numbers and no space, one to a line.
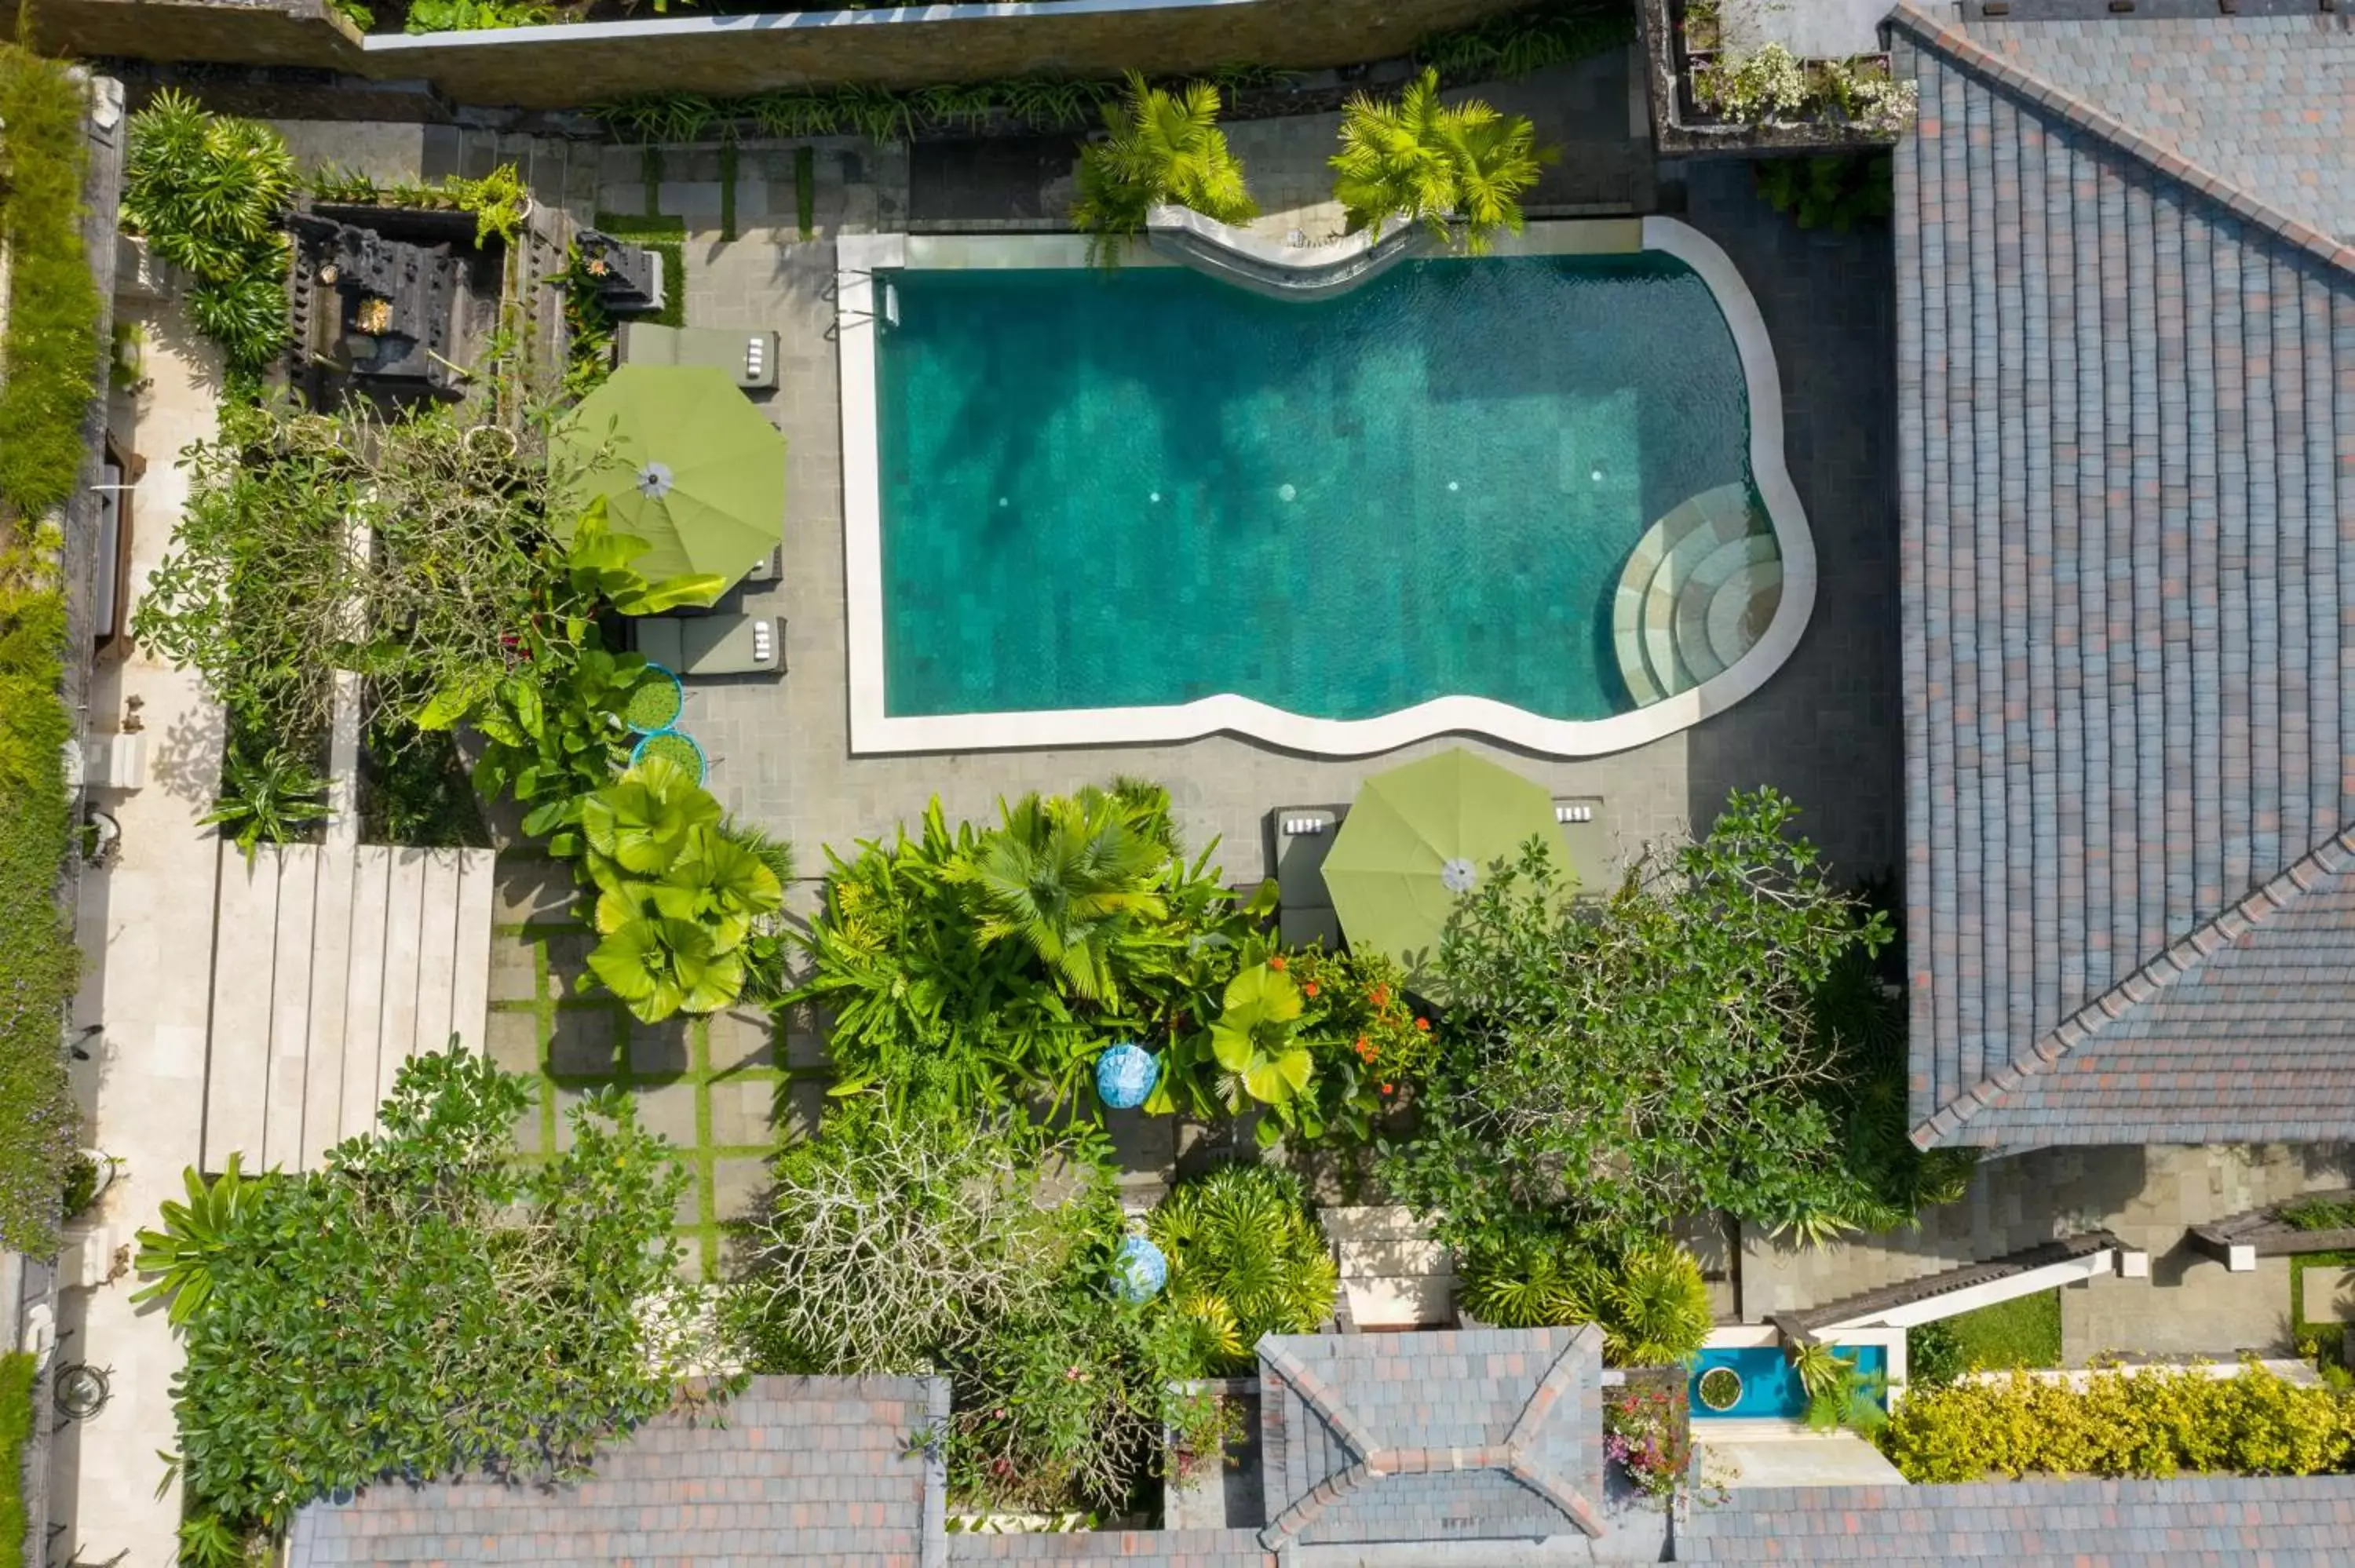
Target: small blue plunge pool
(1769,1385)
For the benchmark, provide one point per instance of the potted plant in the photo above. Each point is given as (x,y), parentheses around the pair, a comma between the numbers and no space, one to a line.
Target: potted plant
(88,1176)
(1721,1389)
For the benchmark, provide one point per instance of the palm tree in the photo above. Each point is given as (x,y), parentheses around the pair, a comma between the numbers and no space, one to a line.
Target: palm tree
(1460,168)
(1071,877)
(1160,149)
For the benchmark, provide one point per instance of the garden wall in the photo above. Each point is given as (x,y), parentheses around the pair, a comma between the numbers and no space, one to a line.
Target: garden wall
(580,64)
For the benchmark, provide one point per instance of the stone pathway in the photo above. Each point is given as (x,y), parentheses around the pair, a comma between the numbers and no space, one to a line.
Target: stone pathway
(146,937)
(715,1087)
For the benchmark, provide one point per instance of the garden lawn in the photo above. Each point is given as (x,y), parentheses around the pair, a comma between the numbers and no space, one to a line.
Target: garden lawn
(2024,1333)
(2329,1339)
(719,1088)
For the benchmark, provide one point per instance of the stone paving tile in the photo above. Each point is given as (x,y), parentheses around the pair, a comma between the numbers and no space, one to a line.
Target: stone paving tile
(671,1111)
(515,967)
(513,1039)
(737,1186)
(660,1052)
(742,1037)
(585,1042)
(740,1111)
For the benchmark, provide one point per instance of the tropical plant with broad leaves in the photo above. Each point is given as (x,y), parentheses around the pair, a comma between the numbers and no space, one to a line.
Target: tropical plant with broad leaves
(193,1235)
(678,899)
(1246,1258)
(1161,147)
(1255,1040)
(1458,169)
(554,732)
(1075,878)
(268,796)
(1650,1300)
(207,191)
(597,563)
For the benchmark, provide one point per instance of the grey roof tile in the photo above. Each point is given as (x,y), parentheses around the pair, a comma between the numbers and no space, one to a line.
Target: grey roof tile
(2127,504)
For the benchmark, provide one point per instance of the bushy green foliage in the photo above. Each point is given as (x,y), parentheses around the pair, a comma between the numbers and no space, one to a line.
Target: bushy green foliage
(474,16)
(1609,1065)
(38,961)
(1162,146)
(2153,1423)
(1553,32)
(48,360)
(1650,1300)
(1457,168)
(429,1303)
(20,1372)
(1934,1355)
(497,200)
(681,906)
(906,1239)
(208,191)
(1837,192)
(269,794)
(1246,1258)
(953,962)
(414,788)
(2323,1213)
(2021,1332)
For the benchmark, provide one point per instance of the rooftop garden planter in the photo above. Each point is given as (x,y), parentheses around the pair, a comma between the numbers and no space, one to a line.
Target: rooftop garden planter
(1711,93)
(654,705)
(673,747)
(1720,1388)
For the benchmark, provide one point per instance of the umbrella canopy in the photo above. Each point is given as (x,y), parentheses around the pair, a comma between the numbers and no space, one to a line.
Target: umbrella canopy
(1419,838)
(693,469)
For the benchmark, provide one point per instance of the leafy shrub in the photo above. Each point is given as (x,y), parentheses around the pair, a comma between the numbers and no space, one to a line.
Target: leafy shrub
(1934,1355)
(414,788)
(269,795)
(1457,168)
(426,1304)
(1609,1065)
(1554,32)
(1650,1301)
(207,191)
(678,900)
(20,1372)
(1835,193)
(1246,1258)
(897,1236)
(2154,1423)
(1162,146)
(497,199)
(39,1125)
(2320,1214)
(980,963)
(48,359)
(474,16)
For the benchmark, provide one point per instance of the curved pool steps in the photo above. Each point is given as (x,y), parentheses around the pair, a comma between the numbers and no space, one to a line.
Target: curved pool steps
(1666,627)
(1709,577)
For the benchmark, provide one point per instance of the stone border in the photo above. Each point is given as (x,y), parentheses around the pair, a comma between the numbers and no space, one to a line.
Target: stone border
(873,730)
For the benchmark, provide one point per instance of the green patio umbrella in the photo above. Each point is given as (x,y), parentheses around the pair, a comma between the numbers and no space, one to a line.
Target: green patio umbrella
(693,469)
(1420,837)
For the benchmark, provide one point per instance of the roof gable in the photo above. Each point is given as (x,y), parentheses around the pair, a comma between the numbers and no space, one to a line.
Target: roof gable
(2127,428)
(1432,1436)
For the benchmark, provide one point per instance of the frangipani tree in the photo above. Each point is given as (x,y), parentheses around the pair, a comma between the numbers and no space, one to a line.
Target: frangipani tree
(1460,168)
(1161,148)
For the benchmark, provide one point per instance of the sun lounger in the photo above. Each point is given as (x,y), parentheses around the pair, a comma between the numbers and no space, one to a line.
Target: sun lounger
(699,645)
(749,356)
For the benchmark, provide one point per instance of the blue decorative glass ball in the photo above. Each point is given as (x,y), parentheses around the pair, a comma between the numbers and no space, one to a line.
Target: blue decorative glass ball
(1126,1074)
(1138,1270)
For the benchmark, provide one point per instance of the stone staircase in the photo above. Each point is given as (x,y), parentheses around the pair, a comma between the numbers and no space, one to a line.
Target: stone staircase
(1697,592)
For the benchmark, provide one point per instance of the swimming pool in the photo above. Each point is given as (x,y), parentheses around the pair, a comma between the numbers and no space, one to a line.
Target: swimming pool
(1150,504)
(1770,1387)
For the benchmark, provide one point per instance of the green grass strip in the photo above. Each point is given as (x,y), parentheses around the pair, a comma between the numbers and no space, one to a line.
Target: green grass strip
(650,173)
(2021,1332)
(805,189)
(17,1377)
(51,348)
(667,236)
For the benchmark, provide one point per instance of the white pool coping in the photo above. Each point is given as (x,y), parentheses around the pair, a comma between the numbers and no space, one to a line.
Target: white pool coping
(873,730)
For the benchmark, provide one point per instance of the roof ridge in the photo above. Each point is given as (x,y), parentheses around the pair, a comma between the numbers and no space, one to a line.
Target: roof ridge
(2332,857)
(1951,41)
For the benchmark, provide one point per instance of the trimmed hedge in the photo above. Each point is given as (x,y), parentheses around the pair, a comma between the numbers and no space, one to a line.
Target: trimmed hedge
(51,349)
(2156,1423)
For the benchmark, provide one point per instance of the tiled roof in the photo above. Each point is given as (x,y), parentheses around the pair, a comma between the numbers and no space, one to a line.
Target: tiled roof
(2264,102)
(795,1471)
(1468,1435)
(2127,428)
(2191,1521)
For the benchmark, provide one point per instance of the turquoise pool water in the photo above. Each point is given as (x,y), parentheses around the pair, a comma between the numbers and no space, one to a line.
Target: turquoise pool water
(1769,1387)
(1146,487)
